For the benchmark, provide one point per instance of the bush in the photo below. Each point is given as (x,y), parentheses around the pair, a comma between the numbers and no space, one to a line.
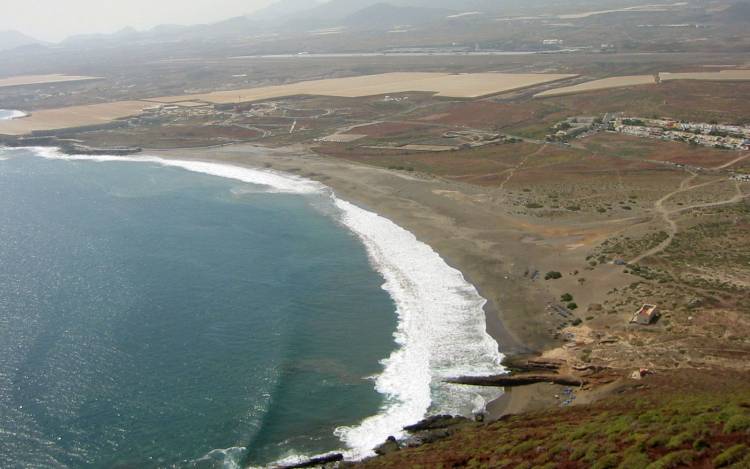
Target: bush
(634,461)
(671,460)
(566,297)
(534,205)
(607,462)
(737,423)
(552,275)
(572,306)
(730,456)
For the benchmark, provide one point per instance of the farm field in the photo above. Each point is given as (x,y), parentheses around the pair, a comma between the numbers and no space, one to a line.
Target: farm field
(603,84)
(74,116)
(41,79)
(723,75)
(472,85)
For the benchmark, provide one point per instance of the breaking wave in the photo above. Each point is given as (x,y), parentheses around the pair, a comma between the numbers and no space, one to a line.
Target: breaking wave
(441,328)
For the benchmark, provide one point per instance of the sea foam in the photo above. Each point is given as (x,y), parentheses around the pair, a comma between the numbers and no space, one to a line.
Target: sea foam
(441,328)
(11,114)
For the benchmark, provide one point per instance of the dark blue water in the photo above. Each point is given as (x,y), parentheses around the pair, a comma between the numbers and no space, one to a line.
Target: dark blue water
(150,315)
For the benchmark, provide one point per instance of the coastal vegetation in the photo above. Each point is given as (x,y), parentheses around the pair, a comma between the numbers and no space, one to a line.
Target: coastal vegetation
(679,419)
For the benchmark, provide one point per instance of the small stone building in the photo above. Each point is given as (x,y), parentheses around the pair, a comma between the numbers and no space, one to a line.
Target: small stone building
(648,314)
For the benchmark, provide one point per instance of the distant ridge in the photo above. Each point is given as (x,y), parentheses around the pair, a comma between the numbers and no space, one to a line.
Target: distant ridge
(386,15)
(13,39)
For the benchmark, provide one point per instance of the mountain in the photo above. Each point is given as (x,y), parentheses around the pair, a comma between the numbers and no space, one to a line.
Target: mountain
(12,39)
(283,8)
(737,13)
(386,15)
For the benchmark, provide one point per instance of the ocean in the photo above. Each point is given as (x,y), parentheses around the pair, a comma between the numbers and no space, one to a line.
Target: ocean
(189,314)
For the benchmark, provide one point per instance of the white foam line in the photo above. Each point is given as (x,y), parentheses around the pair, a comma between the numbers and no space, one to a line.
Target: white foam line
(13,115)
(441,328)
(278,182)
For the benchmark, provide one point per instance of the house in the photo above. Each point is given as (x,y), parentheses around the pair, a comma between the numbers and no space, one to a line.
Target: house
(645,316)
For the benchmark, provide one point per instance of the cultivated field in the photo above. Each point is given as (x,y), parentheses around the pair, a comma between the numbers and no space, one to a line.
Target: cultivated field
(71,117)
(41,79)
(442,84)
(449,85)
(633,80)
(723,75)
(605,83)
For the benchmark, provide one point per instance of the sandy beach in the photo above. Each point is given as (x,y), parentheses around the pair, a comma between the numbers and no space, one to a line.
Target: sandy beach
(466,225)
(432,209)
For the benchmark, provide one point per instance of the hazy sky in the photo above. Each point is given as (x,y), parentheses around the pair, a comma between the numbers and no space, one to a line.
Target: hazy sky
(53,20)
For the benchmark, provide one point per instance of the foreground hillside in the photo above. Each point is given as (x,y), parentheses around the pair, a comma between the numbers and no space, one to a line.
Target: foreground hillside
(686,419)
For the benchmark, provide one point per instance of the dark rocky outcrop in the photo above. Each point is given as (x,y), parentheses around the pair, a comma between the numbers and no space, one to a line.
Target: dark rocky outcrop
(390,446)
(528,364)
(315,462)
(436,422)
(517,380)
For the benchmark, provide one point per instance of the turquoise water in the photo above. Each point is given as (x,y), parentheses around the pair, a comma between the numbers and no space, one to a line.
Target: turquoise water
(150,315)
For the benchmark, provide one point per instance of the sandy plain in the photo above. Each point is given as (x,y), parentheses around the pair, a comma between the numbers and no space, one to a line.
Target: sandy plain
(603,84)
(442,84)
(42,79)
(471,85)
(723,75)
(74,116)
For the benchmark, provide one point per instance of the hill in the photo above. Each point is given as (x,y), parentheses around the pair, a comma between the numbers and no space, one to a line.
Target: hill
(679,419)
(12,39)
(386,15)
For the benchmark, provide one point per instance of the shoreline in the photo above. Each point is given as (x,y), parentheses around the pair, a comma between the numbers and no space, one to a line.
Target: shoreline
(453,344)
(300,161)
(515,315)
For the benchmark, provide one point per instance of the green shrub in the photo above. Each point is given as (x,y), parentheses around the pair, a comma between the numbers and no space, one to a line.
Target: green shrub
(525,446)
(671,460)
(737,423)
(566,297)
(657,440)
(607,462)
(634,460)
(534,205)
(679,440)
(552,275)
(730,456)
(572,306)
(577,453)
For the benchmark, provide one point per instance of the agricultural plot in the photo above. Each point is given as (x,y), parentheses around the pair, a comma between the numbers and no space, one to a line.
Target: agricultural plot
(471,85)
(603,84)
(723,75)
(41,79)
(75,116)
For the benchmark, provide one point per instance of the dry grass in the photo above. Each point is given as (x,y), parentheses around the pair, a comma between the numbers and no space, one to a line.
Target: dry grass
(723,75)
(71,117)
(458,86)
(603,84)
(41,79)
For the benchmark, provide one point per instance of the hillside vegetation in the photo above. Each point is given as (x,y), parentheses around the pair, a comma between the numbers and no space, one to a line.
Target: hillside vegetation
(673,420)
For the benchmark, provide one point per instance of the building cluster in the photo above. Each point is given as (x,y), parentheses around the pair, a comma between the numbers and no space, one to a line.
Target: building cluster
(730,137)
(573,127)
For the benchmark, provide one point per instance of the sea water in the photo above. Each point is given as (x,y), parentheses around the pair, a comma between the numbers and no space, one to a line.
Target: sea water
(160,314)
